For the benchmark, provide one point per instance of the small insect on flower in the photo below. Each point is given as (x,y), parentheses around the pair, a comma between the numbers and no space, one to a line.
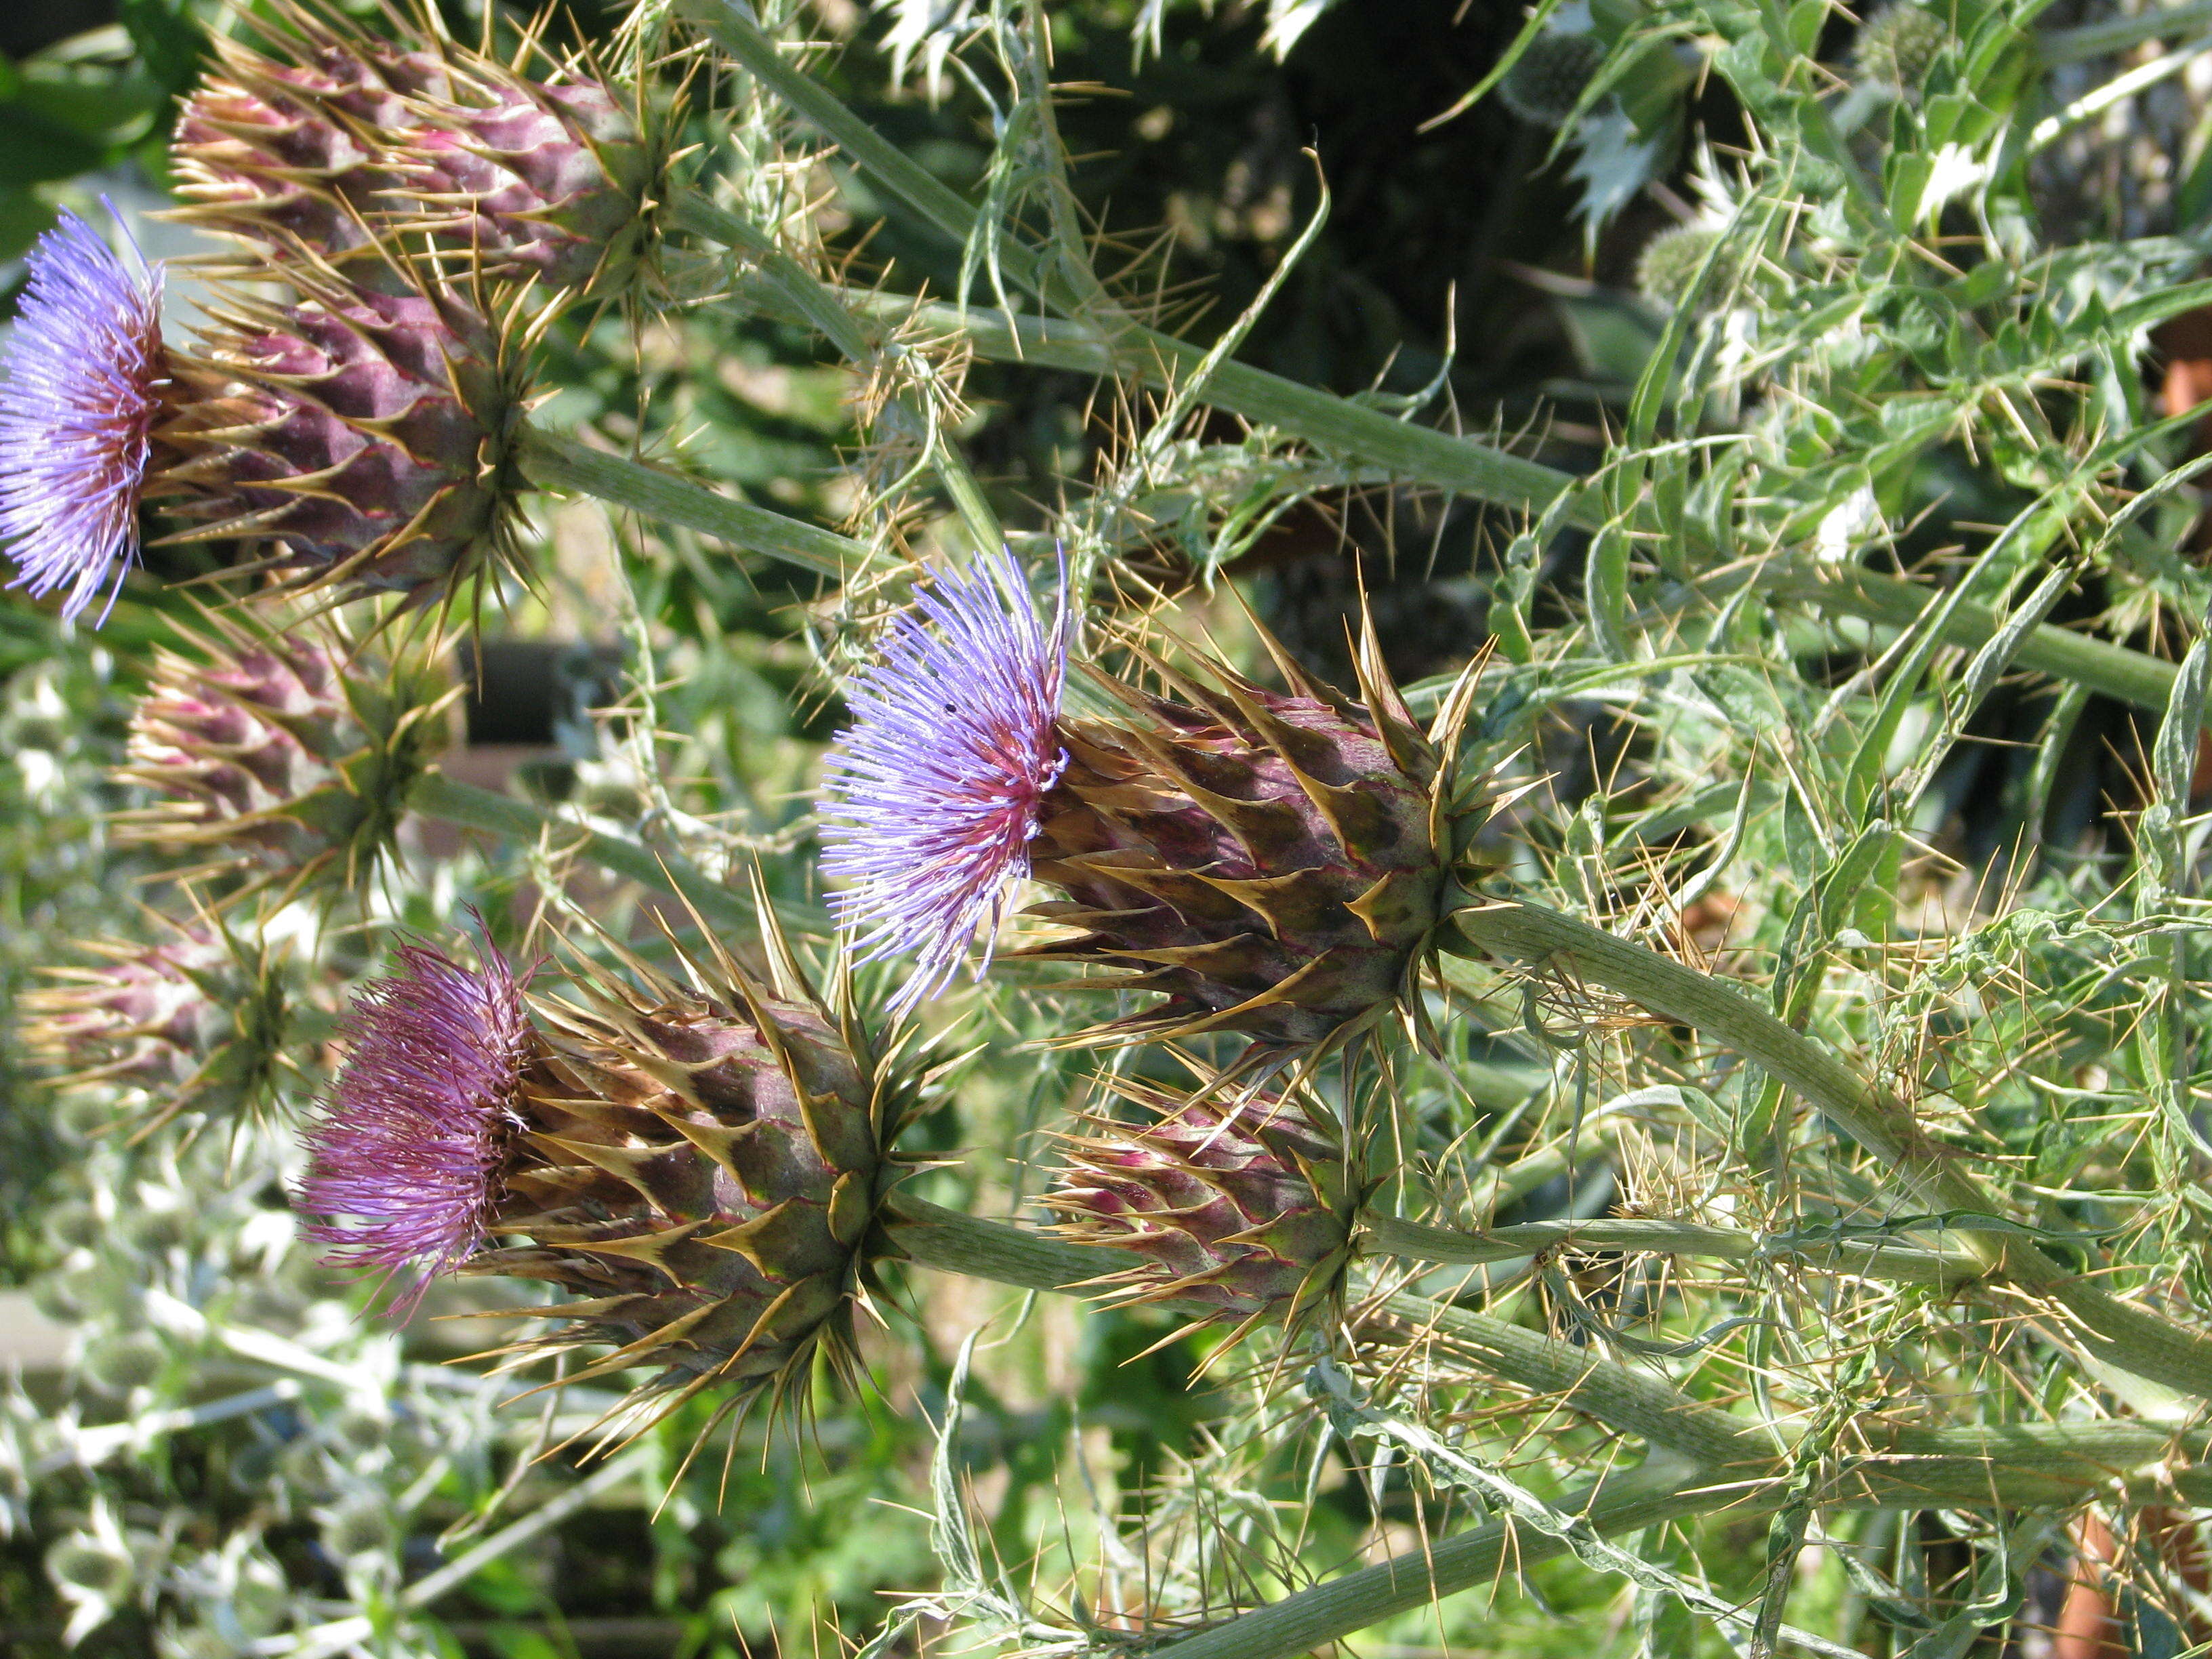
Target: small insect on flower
(936,788)
(85,373)
(408,1147)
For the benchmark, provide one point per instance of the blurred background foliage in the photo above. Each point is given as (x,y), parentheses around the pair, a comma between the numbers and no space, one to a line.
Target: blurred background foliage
(230,1461)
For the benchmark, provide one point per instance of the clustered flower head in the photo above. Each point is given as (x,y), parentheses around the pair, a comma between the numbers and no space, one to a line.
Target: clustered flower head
(330,142)
(1273,862)
(278,754)
(937,788)
(700,1165)
(86,375)
(1239,1206)
(195,1021)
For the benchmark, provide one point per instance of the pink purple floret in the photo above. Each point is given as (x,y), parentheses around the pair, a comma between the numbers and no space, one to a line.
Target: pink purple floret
(935,790)
(403,1160)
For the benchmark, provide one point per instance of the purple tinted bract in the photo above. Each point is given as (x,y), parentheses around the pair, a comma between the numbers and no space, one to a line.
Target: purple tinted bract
(85,368)
(403,1158)
(933,790)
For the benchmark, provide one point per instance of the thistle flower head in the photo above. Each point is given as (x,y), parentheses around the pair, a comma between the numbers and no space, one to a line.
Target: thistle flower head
(283,754)
(85,371)
(409,1146)
(362,436)
(337,140)
(936,788)
(1898,46)
(196,1021)
(1546,81)
(1243,1208)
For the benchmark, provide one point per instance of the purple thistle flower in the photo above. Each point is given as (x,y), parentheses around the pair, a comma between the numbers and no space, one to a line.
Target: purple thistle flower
(934,789)
(409,1146)
(85,368)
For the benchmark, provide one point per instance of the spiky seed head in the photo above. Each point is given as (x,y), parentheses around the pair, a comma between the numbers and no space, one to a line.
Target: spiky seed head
(1667,270)
(196,1022)
(334,140)
(86,374)
(286,755)
(935,792)
(1546,81)
(699,1167)
(1898,45)
(364,438)
(1243,1205)
(1273,862)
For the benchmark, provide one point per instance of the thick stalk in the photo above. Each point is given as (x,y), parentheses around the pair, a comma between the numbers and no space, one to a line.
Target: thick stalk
(1893,1263)
(467,807)
(2114,1333)
(2087,40)
(1324,419)
(2126,676)
(1630,1402)
(1330,423)
(1996,1469)
(555,462)
(1311,1619)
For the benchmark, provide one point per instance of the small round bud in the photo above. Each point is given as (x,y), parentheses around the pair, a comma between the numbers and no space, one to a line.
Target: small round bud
(1898,45)
(1667,270)
(1547,80)
(92,1565)
(360,1525)
(1246,1210)
(117,1364)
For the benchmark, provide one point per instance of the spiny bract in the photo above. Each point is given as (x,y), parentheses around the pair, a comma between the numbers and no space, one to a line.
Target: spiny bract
(283,756)
(1274,862)
(1241,1206)
(339,141)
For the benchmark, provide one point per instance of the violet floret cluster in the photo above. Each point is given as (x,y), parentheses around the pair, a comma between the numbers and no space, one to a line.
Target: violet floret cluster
(85,375)
(409,1146)
(935,789)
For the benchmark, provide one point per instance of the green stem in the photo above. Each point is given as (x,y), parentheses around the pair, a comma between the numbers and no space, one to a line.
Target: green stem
(1632,1401)
(467,807)
(555,462)
(1309,1620)
(1388,1235)
(2074,45)
(1322,418)
(2001,1468)
(2114,1333)
(2126,676)
(799,295)
(1622,1400)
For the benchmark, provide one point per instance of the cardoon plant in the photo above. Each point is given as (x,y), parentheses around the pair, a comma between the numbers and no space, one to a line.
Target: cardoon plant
(1764,1189)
